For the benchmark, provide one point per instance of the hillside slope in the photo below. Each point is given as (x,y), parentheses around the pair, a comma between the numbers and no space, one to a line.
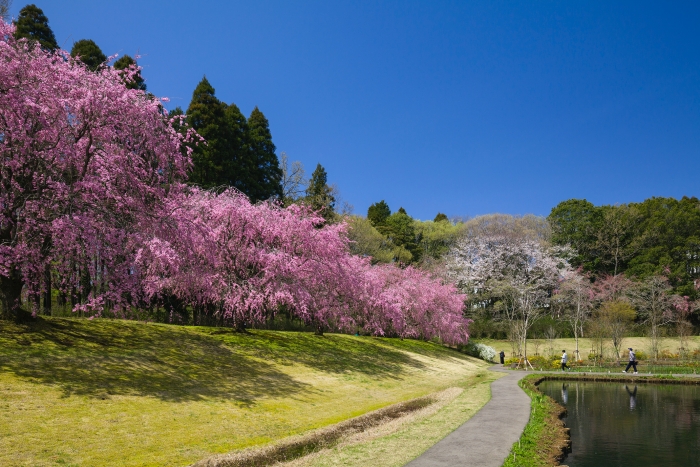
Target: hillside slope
(108,392)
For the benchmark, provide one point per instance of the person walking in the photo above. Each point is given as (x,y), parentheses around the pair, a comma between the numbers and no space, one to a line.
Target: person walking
(632,363)
(564,360)
(503,357)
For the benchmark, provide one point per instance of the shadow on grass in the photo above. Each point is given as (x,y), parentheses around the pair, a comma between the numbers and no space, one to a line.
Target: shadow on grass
(102,358)
(112,357)
(333,353)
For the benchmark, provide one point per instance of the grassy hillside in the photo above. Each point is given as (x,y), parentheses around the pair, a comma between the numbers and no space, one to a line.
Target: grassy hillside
(103,392)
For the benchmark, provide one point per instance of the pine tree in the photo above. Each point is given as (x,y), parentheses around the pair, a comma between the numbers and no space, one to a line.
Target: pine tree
(265,175)
(89,52)
(440,217)
(237,164)
(33,25)
(136,81)
(207,115)
(319,195)
(378,213)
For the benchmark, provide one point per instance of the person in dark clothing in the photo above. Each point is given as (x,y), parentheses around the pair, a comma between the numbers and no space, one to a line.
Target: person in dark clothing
(503,357)
(632,363)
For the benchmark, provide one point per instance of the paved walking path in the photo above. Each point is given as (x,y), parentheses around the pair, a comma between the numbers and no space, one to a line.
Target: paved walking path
(486,438)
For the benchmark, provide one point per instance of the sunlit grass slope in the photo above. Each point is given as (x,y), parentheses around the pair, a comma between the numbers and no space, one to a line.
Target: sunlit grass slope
(104,393)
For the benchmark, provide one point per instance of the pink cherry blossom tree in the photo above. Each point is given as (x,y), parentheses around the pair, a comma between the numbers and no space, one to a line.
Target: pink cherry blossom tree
(243,262)
(84,162)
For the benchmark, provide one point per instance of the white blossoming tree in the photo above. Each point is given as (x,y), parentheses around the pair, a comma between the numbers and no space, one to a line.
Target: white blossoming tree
(512,272)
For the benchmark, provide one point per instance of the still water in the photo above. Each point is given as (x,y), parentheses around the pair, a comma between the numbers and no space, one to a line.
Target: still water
(644,425)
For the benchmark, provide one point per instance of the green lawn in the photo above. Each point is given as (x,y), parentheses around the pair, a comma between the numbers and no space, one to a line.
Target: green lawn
(106,392)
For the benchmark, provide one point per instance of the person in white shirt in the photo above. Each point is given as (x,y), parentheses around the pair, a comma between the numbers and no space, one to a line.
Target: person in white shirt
(564,360)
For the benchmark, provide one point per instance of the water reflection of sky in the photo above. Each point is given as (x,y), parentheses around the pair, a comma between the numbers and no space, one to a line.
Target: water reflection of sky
(630,425)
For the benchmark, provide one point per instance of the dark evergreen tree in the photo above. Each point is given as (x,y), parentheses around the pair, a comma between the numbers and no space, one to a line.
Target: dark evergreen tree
(89,52)
(440,217)
(136,81)
(207,115)
(33,25)
(238,165)
(319,195)
(265,176)
(378,213)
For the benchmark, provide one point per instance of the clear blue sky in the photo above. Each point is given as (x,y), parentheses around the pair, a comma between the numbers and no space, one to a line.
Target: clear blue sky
(461,107)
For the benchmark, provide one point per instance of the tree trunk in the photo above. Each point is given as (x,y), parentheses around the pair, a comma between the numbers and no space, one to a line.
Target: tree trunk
(47,290)
(61,299)
(10,294)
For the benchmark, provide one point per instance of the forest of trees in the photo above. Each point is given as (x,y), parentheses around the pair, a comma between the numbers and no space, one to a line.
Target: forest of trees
(656,236)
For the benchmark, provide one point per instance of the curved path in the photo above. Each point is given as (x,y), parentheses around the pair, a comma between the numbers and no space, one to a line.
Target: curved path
(486,438)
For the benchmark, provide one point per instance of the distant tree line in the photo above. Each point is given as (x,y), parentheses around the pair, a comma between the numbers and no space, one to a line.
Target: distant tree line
(639,240)
(397,237)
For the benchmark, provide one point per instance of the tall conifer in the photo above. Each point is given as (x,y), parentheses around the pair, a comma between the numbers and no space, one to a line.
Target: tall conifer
(238,164)
(319,195)
(265,180)
(89,52)
(378,213)
(33,24)
(207,115)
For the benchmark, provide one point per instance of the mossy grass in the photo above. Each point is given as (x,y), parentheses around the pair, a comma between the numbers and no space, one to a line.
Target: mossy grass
(111,392)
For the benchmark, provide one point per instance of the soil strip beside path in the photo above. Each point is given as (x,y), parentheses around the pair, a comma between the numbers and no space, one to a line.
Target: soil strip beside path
(487,438)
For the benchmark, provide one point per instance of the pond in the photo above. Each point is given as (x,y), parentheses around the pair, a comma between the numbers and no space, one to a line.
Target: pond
(643,425)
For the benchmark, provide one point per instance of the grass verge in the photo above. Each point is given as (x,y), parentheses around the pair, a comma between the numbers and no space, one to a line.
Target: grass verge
(108,392)
(545,440)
